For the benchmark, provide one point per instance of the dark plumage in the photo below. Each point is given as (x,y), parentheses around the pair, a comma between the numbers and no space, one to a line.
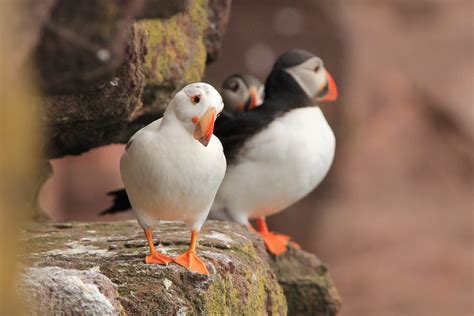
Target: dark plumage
(120,202)
(282,94)
(281,151)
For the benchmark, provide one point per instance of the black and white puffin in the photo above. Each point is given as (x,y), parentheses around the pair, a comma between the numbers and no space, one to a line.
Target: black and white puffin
(172,169)
(240,93)
(279,152)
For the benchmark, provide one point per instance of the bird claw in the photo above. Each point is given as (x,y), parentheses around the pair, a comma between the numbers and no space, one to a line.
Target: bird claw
(276,244)
(158,258)
(191,261)
(294,244)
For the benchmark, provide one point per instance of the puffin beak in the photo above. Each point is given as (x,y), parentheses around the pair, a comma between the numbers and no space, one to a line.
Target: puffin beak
(253,98)
(329,93)
(205,127)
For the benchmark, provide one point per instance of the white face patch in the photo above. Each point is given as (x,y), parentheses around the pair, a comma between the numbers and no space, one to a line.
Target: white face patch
(235,95)
(310,75)
(195,100)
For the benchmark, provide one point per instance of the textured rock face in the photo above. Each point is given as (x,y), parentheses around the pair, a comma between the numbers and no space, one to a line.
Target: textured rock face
(54,290)
(83,43)
(162,9)
(218,15)
(306,284)
(176,56)
(106,262)
(82,120)
(106,74)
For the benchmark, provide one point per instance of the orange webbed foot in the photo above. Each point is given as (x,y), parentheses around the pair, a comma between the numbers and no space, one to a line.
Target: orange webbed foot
(289,241)
(158,258)
(276,243)
(192,262)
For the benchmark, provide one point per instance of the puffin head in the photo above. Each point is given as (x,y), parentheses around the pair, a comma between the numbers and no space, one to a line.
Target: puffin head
(308,74)
(196,107)
(242,92)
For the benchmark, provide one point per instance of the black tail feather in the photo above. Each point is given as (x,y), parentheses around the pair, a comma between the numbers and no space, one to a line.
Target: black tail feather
(121,203)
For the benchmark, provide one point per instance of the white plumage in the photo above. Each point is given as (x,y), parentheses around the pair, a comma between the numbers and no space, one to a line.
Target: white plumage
(278,166)
(284,148)
(169,175)
(173,167)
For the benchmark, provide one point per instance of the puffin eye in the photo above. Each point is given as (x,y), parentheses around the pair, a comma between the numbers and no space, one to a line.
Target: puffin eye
(234,86)
(317,68)
(195,99)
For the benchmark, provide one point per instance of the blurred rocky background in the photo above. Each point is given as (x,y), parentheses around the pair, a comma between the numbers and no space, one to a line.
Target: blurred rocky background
(394,218)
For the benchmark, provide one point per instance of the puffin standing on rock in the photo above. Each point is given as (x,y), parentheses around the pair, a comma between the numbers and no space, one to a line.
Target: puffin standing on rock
(279,152)
(173,167)
(240,92)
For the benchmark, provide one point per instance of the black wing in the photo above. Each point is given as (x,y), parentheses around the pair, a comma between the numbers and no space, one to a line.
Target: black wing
(121,203)
(234,131)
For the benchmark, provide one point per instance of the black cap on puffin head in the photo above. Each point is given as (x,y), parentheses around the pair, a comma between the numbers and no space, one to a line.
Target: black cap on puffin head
(242,92)
(301,75)
(292,58)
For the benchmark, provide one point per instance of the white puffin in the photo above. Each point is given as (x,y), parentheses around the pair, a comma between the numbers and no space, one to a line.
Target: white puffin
(172,168)
(280,151)
(240,92)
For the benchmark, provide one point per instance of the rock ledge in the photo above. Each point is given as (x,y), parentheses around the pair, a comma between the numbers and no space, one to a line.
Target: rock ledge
(81,266)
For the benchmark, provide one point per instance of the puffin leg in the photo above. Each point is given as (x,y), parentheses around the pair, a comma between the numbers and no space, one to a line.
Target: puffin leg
(276,244)
(294,244)
(155,257)
(190,260)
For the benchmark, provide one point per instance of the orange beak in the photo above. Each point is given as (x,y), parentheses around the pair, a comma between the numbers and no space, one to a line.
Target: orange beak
(330,89)
(253,98)
(205,127)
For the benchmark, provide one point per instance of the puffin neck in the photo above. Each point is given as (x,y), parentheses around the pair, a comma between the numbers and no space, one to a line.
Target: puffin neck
(171,122)
(284,93)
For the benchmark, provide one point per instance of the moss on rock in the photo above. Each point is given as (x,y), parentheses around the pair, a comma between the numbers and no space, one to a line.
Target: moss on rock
(308,288)
(184,58)
(241,281)
(176,56)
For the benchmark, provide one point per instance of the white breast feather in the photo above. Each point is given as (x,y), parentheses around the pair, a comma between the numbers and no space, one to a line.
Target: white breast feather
(278,166)
(168,175)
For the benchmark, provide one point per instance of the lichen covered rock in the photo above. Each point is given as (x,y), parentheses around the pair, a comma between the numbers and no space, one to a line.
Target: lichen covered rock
(178,49)
(176,55)
(241,281)
(108,68)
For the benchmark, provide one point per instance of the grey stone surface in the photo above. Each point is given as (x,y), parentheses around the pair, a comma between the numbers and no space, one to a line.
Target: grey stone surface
(243,280)
(59,291)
